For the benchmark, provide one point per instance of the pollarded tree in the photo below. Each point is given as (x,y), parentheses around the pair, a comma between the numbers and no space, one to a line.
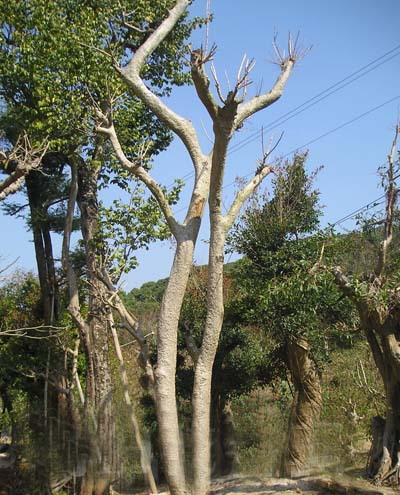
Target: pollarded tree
(226,117)
(278,234)
(376,297)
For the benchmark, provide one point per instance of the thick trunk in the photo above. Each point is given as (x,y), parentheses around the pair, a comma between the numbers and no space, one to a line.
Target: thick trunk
(98,399)
(166,367)
(201,398)
(305,409)
(384,459)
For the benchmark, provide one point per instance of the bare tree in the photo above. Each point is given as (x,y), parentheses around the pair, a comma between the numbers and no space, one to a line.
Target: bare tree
(226,117)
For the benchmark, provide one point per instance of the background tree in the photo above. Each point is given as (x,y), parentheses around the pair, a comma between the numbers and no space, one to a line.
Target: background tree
(51,75)
(279,236)
(375,295)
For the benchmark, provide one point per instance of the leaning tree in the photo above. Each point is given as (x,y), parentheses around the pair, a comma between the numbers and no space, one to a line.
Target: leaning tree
(227,117)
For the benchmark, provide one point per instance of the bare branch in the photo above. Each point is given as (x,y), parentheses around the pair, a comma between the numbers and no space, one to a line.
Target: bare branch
(243,195)
(23,332)
(217,85)
(391,196)
(131,74)
(140,172)
(131,323)
(286,63)
(144,458)
(26,157)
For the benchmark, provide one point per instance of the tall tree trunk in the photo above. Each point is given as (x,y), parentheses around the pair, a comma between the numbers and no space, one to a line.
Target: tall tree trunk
(98,399)
(201,398)
(167,414)
(305,409)
(43,249)
(384,459)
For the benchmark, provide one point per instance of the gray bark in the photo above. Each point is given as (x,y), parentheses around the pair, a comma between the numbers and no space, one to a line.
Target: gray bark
(209,172)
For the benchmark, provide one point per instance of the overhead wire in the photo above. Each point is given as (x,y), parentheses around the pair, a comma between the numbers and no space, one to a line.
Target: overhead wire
(335,129)
(334,88)
(314,100)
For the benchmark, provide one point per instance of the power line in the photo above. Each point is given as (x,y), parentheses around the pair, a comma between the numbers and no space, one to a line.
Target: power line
(362,71)
(371,204)
(341,126)
(354,76)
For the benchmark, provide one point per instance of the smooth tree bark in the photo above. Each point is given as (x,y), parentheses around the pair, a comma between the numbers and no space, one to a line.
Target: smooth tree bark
(379,309)
(305,408)
(208,181)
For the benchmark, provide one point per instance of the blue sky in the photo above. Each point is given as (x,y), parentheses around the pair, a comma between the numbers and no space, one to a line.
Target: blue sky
(345,35)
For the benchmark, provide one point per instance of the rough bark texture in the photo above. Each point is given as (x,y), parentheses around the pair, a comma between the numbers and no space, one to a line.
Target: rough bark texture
(98,398)
(384,459)
(167,414)
(305,409)
(224,458)
(209,172)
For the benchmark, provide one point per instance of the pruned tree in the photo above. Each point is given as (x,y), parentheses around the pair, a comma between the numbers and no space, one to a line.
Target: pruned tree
(226,117)
(376,297)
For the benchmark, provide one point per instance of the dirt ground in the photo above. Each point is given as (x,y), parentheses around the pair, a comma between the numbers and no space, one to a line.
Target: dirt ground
(318,485)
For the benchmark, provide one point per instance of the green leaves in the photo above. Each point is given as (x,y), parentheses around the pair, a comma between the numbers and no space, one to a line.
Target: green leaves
(279,236)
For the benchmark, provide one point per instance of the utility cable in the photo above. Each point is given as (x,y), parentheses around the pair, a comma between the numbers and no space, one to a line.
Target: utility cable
(354,76)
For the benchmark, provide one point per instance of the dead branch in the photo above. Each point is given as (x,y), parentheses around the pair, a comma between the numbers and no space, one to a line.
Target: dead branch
(391,196)
(23,158)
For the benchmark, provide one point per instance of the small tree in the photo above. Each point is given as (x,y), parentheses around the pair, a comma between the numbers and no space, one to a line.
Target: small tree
(279,236)
(209,173)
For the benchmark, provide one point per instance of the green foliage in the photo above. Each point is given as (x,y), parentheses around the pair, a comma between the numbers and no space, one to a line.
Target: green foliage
(57,58)
(147,298)
(125,228)
(281,242)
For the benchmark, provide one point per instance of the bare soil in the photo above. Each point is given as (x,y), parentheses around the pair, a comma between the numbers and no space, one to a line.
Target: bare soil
(311,485)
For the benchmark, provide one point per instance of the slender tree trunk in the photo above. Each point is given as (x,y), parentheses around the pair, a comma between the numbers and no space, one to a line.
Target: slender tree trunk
(98,400)
(173,456)
(43,248)
(305,409)
(144,456)
(201,398)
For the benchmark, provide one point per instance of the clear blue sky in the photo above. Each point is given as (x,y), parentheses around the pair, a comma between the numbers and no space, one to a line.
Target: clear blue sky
(346,35)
